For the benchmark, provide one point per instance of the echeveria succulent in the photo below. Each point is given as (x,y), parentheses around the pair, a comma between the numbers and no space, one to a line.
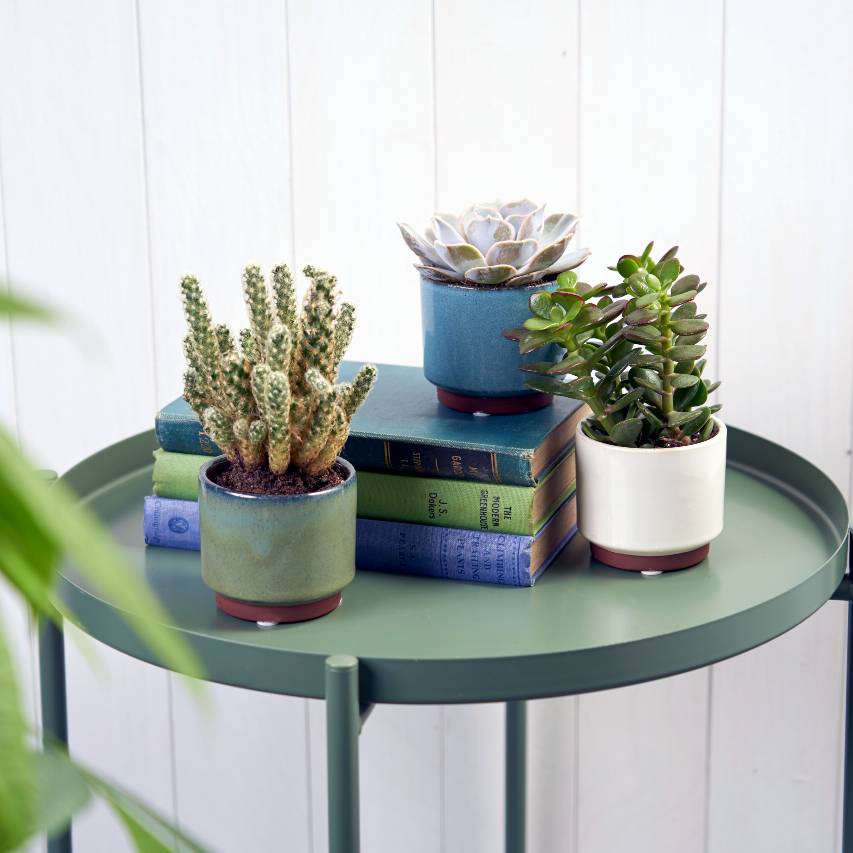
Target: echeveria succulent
(633,350)
(272,401)
(507,245)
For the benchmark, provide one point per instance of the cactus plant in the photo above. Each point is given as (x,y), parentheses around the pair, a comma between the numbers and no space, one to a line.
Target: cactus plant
(509,245)
(633,350)
(273,400)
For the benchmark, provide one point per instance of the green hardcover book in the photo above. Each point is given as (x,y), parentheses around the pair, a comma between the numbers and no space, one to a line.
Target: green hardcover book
(176,474)
(468,505)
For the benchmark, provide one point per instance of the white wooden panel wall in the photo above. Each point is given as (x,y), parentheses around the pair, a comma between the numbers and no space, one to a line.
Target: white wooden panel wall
(141,139)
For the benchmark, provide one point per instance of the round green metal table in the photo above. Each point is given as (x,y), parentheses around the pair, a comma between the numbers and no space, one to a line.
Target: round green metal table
(396,639)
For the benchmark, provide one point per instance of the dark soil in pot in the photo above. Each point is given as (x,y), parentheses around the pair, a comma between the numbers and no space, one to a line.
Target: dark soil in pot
(261,481)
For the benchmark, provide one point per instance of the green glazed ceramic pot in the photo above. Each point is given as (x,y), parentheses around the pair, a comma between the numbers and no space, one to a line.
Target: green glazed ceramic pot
(277,558)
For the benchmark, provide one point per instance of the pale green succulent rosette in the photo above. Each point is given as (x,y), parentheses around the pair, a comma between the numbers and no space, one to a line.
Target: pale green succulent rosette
(496,245)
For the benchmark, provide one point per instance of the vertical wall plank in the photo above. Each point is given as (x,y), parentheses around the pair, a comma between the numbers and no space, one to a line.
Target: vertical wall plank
(363,157)
(505,103)
(73,195)
(218,164)
(642,756)
(649,167)
(775,742)
(75,223)
(240,769)
(119,724)
(775,745)
(361,90)
(506,127)
(215,104)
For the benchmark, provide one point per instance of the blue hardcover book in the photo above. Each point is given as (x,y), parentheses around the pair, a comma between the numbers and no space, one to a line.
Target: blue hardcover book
(412,549)
(171,523)
(402,428)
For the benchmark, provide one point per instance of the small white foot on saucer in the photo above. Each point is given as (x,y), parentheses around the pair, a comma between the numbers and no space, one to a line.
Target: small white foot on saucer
(266,624)
(646,574)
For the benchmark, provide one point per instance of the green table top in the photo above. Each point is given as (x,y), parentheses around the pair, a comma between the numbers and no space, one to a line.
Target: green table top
(583,627)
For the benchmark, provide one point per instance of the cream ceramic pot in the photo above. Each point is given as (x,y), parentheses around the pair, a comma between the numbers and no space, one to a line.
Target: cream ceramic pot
(654,509)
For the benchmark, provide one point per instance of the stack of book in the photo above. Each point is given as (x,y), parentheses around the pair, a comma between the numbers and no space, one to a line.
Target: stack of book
(440,493)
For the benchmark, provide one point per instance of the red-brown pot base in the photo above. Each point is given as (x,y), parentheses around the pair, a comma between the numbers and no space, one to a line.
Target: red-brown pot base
(277,613)
(493,405)
(660,563)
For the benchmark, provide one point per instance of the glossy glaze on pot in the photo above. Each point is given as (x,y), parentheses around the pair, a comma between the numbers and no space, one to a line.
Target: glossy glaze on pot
(464,348)
(651,502)
(277,549)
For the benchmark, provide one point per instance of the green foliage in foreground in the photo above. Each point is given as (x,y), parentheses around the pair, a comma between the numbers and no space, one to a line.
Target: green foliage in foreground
(632,352)
(42,525)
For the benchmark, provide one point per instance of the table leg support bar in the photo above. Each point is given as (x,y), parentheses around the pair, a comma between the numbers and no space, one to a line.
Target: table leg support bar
(516,777)
(53,709)
(343,723)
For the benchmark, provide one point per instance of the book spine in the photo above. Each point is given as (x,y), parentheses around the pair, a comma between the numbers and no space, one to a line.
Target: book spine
(416,459)
(383,546)
(442,552)
(175,475)
(184,435)
(171,523)
(486,507)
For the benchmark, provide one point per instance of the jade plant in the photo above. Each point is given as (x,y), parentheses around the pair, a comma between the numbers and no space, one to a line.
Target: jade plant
(509,245)
(273,400)
(632,352)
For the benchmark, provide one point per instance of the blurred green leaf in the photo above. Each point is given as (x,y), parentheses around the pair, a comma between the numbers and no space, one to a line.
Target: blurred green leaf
(62,790)
(17,307)
(18,793)
(685,311)
(623,401)
(77,533)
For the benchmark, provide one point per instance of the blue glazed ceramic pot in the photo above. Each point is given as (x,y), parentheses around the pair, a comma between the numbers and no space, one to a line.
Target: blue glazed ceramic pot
(277,558)
(466,356)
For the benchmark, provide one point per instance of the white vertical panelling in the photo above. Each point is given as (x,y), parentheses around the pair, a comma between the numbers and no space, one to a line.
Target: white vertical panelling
(75,223)
(505,103)
(73,194)
(642,756)
(400,773)
(218,165)
(362,136)
(241,774)
(506,126)
(552,760)
(119,724)
(649,166)
(775,745)
(13,613)
(214,92)
(788,134)
(362,143)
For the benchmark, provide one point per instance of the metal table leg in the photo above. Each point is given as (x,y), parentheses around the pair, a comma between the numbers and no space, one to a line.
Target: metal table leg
(516,776)
(343,722)
(847,794)
(53,711)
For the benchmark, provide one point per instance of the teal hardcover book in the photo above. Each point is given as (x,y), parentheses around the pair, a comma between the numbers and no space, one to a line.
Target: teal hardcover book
(402,428)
